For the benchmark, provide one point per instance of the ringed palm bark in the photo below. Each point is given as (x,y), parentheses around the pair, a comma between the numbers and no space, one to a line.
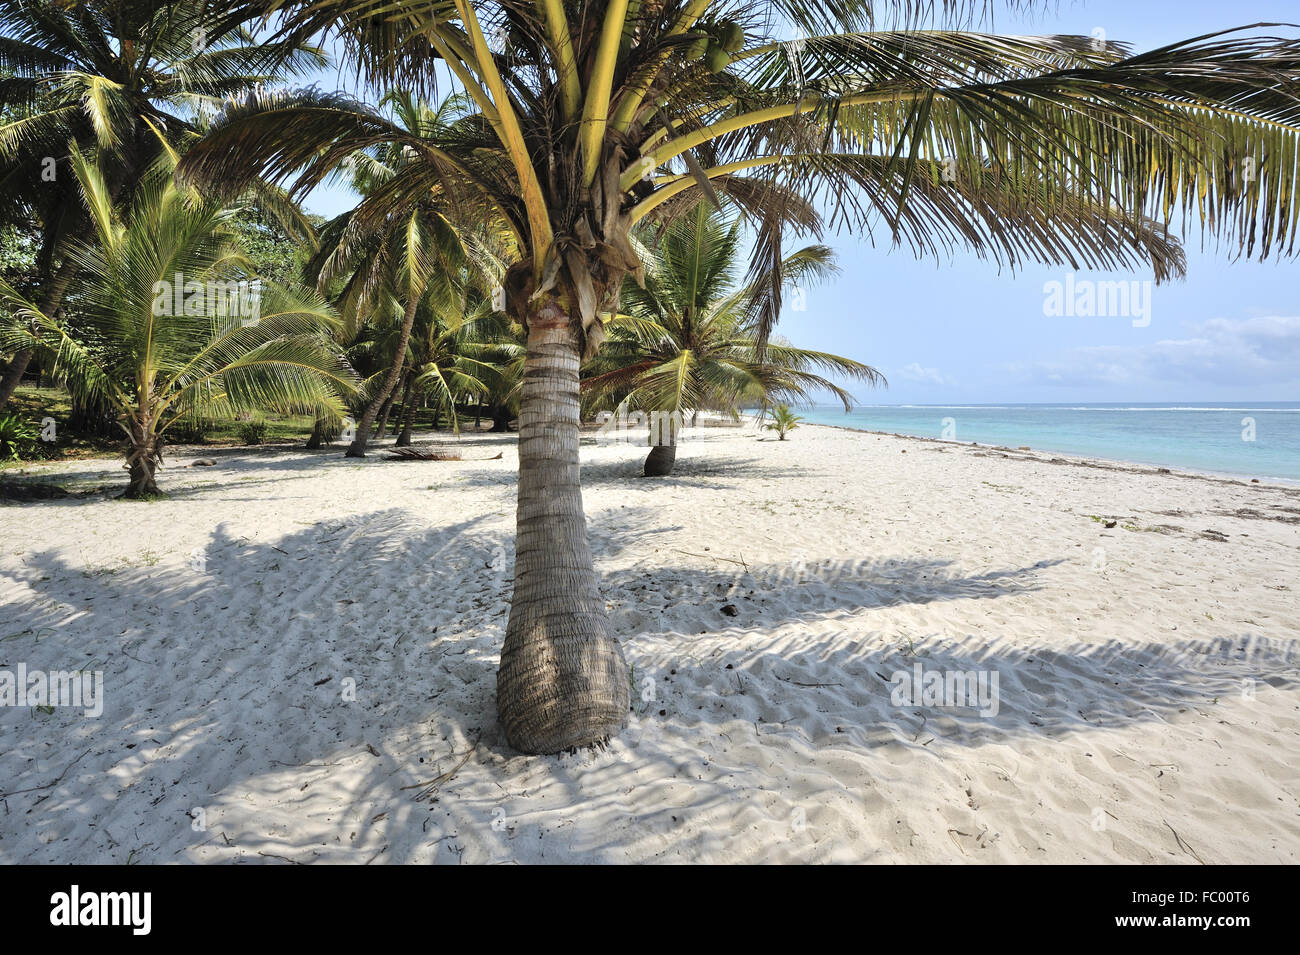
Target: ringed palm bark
(688,337)
(595,115)
(158,354)
(125,76)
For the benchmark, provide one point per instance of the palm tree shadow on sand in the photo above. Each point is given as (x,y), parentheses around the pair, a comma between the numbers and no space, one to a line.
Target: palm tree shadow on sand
(228,691)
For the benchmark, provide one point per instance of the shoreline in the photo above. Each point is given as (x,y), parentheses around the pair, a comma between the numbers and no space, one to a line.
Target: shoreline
(1066,457)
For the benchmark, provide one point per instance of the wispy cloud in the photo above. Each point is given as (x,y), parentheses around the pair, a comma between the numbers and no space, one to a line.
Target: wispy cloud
(915,372)
(1243,352)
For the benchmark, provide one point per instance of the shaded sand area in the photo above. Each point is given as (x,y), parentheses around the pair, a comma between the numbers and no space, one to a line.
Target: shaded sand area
(299,655)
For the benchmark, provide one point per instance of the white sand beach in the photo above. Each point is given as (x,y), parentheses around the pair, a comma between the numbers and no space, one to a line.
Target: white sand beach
(1148,705)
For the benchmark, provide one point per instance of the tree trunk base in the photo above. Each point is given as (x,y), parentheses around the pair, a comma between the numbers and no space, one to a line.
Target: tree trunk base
(500,420)
(321,435)
(148,492)
(142,465)
(560,691)
(659,462)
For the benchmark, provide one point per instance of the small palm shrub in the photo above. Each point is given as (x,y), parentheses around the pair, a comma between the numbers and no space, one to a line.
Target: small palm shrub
(157,350)
(783,421)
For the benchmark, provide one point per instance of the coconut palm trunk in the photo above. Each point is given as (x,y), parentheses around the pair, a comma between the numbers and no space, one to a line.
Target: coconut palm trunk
(319,431)
(357,449)
(404,438)
(13,374)
(143,455)
(381,426)
(663,435)
(659,462)
(563,681)
(407,413)
(500,418)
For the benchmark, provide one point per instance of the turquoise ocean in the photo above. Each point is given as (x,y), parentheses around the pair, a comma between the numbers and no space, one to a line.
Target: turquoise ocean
(1245,439)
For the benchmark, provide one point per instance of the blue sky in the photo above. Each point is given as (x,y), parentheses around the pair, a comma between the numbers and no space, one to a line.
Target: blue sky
(957,331)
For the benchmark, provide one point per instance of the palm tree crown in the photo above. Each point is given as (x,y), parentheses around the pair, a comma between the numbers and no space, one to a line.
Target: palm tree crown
(130,78)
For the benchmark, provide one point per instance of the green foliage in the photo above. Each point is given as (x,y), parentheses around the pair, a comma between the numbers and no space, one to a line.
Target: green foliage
(783,421)
(271,251)
(190,431)
(688,340)
(17,439)
(253,432)
(132,349)
(133,81)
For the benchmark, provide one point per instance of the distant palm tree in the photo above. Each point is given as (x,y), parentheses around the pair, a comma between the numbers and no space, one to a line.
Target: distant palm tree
(687,338)
(396,248)
(131,79)
(594,115)
(444,369)
(170,325)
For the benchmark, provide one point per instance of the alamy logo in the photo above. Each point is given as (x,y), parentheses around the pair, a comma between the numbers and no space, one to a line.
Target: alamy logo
(1084,298)
(76,688)
(103,908)
(958,688)
(636,427)
(213,299)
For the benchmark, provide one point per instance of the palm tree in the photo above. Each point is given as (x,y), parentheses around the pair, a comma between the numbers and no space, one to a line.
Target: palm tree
(394,248)
(783,421)
(453,358)
(169,324)
(593,115)
(127,77)
(687,337)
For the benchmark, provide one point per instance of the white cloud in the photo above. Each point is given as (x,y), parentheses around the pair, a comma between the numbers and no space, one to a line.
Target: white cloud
(1245,352)
(914,372)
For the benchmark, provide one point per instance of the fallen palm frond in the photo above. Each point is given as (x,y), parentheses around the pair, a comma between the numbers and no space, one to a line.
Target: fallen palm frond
(417,454)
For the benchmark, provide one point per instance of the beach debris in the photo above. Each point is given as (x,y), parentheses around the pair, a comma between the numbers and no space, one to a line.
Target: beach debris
(1212,535)
(416,454)
(50,785)
(731,610)
(1182,843)
(797,683)
(429,788)
(1108,524)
